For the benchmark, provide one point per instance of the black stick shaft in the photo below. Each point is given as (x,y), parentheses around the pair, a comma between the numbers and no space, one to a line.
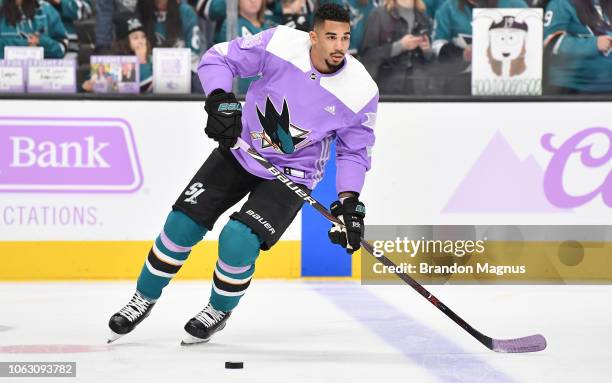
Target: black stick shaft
(485,340)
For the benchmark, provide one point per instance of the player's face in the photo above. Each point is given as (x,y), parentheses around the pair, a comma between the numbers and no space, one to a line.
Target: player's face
(331,40)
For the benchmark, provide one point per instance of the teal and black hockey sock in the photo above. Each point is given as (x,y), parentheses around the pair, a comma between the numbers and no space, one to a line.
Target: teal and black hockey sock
(169,252)
(238,250)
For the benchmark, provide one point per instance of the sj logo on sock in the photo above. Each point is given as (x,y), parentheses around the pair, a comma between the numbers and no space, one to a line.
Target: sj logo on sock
(193,192)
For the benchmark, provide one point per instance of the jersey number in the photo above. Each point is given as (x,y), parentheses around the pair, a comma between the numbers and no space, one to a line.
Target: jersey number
(548,18)
(195,38)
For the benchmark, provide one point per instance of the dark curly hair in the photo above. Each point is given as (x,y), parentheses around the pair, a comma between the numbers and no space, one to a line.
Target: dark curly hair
(174,25)
(332,12)
(12,14)
(590,17)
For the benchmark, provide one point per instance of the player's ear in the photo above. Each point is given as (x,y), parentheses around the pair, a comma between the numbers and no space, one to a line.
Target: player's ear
(313,37)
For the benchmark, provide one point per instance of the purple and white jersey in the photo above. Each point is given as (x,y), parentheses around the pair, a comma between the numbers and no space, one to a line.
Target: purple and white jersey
(293,112)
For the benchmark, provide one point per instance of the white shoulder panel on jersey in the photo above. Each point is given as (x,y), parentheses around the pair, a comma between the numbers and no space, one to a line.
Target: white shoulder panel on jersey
(353,86)
(222,48)
(292,46)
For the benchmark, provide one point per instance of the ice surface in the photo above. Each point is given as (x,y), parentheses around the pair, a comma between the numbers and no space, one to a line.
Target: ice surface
(302,331)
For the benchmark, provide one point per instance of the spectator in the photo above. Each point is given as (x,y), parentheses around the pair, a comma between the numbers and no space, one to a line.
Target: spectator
(359,11)
(173,24)
(396,48)
(170,23)
(293,14)
(131,40)
(32,23)
(71,11)
(453,40)
(251,20)
(432,6)
(212,12)
(537,3)
(578,34)
(106,11)
(204,25)
(276,12)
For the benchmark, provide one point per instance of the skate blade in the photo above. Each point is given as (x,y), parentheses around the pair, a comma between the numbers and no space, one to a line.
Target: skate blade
(191,340)
(113,337)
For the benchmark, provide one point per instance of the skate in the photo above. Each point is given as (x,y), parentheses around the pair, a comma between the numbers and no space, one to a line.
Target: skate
(126,319)
(201,327)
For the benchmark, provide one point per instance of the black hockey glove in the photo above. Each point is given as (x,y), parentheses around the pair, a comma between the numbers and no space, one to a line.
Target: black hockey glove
(352,212)
(224,123)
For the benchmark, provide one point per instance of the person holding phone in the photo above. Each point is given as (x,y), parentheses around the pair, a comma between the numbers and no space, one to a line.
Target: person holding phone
(396,48)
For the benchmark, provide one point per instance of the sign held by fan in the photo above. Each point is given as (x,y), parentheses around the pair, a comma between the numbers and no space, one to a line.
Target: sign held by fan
(507,51)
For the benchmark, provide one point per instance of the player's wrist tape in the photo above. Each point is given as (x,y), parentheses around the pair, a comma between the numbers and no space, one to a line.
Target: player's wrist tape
(349,205)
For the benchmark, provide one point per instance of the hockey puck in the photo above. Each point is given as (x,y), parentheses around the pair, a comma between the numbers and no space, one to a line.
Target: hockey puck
(234,365)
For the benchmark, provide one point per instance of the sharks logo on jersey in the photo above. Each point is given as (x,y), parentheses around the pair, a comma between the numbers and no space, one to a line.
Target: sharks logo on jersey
(278,131)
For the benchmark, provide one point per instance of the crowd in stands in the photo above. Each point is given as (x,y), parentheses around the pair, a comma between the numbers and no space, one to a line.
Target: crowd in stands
(410,47)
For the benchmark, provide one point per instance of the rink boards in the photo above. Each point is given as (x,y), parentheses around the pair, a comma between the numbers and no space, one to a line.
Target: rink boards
(85,185)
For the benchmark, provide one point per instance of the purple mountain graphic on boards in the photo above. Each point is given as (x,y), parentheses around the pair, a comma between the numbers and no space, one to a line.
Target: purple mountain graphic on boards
(500,182)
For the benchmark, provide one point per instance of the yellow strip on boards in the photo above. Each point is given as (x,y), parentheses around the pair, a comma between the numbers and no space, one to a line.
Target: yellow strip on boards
(124,260)
(356,263)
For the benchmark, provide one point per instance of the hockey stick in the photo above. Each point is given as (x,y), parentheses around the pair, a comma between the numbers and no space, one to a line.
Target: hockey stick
(530,343)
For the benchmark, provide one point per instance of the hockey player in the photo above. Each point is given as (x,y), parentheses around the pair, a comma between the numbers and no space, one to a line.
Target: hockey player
(359,11)
(309,94)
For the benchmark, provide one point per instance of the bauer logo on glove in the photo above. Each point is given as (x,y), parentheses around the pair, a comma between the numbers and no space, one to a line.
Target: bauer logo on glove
(229,108)
(224,123)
